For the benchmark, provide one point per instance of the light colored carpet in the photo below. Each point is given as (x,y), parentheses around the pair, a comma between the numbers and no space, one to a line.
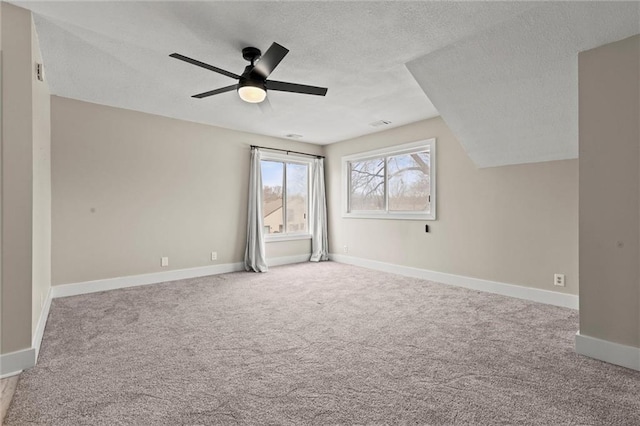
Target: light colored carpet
(7,388)
(316,344)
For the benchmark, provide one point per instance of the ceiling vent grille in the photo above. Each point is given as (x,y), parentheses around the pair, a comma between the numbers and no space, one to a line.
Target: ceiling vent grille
(380,123)
(293,136)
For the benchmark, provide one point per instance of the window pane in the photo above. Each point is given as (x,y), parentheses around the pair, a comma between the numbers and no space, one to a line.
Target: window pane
(272,184)
(409,184)
(297,187)
(367,185)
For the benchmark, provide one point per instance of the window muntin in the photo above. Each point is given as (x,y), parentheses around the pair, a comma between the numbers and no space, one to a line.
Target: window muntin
(285,196)
(391,183)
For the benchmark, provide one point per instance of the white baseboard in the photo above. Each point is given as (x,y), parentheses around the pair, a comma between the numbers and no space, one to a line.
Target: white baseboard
(42,323)
(13,363)
(517,291)
(613,353)
(86,287)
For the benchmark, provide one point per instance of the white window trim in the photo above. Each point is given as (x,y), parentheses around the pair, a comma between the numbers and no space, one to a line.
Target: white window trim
(274,238)
(428,144)
(291,158)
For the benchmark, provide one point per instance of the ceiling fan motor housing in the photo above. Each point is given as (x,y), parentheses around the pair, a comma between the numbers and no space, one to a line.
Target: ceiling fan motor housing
(252,80)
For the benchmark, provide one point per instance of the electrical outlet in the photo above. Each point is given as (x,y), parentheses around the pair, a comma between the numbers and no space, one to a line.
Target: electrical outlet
(164,261)
(214,255)
(345,248)
(558,279)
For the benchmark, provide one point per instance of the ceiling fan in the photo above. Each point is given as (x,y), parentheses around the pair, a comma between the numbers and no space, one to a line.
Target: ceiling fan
(253,85)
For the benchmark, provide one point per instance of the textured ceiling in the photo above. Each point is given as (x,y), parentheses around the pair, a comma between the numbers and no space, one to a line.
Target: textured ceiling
(510,93)
(503,74)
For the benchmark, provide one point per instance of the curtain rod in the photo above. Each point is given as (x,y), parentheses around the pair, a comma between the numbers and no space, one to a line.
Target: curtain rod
(287,151)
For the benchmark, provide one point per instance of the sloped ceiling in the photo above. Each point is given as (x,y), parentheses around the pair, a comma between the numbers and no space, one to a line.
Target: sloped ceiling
(503,75)
(510,93)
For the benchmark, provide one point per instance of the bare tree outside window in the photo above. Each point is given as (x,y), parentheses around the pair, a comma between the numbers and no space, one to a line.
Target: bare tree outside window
(395,183)
(367,185)
(409,182)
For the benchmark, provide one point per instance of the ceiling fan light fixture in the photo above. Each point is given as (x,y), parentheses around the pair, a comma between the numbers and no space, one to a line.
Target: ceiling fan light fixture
(252,92)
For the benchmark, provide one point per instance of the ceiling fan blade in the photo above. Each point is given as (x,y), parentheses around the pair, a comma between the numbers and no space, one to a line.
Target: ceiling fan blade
(283,86)
(270,60)
(216,92)
(203,65)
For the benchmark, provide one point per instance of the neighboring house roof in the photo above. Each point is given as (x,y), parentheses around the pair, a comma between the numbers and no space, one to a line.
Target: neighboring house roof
(271,207)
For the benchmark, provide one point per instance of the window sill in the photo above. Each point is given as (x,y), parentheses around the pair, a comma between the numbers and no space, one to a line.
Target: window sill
(394,216)
(273,238)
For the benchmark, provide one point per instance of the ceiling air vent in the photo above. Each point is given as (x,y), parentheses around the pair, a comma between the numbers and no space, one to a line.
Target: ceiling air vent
(293,136)
(379,123)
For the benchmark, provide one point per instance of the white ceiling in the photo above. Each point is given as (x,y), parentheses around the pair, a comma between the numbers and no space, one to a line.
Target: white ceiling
(510,93)
(503,74)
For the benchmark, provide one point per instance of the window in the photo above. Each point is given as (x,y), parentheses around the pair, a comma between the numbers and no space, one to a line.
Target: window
(391,183)
(285,196)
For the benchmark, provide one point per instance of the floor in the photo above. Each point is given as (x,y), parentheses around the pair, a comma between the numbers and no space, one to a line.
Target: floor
(7,389)
(318,344)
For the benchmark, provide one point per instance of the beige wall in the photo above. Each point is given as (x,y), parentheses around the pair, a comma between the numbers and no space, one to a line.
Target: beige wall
(512,224)
(16,179)
(609,93)
(25,181)
(1,175)
(41,264)
(287,248)
(130,187)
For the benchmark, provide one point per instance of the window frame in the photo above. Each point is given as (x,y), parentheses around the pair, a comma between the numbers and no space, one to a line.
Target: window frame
(294,159)
(408,148)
